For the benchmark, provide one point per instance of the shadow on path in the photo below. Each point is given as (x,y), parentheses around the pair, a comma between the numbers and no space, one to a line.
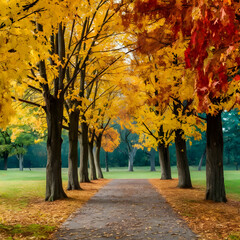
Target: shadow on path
(125,209)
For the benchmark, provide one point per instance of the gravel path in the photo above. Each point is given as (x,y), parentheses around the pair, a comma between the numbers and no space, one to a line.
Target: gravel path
(125,209)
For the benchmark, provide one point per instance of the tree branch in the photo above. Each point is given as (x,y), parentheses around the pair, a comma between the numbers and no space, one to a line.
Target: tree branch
(28,102)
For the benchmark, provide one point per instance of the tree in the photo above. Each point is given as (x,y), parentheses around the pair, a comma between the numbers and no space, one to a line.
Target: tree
(207,47)
(16,31)
(55,76)
(110,141)
(97,54)
(231,137)
(20,141)
(5,146)
(151,156)
(211,53)
(130,141)
(50,48)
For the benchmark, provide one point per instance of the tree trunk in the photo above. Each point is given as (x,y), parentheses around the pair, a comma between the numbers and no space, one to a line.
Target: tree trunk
(5,159)
(130,164)
(164,160)
(83,170)
(106,162)
(97,156)
(214,160)
(73,183)
(131,156)
(184,179)
(93,174)
(20,159)
(54,112)
(201,160)
(152,160)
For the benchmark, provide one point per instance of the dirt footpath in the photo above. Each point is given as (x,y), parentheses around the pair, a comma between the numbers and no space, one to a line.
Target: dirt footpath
(125,209)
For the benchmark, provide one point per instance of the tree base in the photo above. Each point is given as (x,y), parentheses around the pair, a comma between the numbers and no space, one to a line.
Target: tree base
(184,186)
(85,181)
(69,188)
(214,198)
(56,197)
(165,178)
(94,178)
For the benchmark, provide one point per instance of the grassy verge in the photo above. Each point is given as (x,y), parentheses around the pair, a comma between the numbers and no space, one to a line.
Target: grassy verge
(25,214)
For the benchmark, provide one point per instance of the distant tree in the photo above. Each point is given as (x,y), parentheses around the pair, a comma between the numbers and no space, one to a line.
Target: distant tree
(152,159)
(5,146)
(24,137)
(231,130)
(130,140)
(110,141)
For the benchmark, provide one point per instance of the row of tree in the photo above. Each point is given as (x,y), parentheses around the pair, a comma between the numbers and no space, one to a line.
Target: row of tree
(166,69)
(68,62)
(187,60)
(34,154)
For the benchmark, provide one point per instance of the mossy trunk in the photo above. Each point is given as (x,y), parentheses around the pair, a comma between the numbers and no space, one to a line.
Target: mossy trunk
(184,179)
(164,159)
(73,182)
(214,160)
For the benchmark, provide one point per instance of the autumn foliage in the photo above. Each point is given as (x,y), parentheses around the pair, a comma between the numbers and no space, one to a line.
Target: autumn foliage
(111,140)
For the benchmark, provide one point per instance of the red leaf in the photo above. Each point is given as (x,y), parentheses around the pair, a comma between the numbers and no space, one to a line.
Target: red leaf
(237,78)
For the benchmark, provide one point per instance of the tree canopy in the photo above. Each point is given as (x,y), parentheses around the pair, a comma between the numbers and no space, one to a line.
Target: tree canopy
(165,70)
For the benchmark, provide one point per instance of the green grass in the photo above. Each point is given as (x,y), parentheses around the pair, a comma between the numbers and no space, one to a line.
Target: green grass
(28,184)
(18,188)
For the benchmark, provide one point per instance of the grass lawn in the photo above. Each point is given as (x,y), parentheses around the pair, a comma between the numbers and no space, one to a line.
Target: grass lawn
(24,214)
(32,183)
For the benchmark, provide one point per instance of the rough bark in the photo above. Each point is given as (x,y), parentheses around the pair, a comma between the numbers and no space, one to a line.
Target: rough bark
(106,162)
(93,174)
(54,112)
(73,183)
(164,160)
(97,156)
(214,160)
(201,160)
(184,179)
(83,170)
(152,160)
